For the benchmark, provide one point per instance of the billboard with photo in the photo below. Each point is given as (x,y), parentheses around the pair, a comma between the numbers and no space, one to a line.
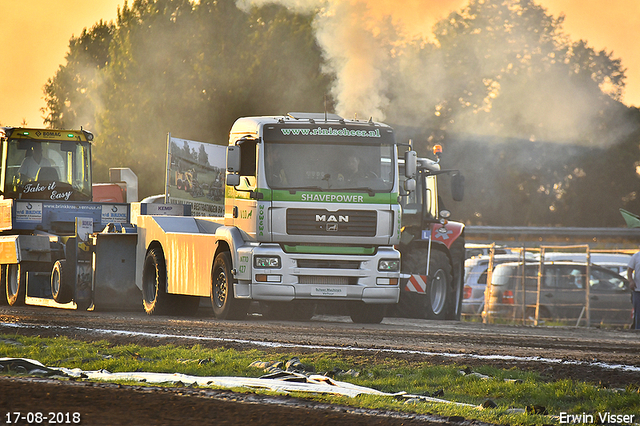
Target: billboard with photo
(195,175)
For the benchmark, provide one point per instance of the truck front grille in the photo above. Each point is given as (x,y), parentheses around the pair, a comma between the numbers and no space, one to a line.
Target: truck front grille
(329,264)
(327,280)
(351,223)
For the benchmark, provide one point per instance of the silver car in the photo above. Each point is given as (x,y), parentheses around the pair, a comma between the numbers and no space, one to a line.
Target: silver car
(562,294)
(475,279)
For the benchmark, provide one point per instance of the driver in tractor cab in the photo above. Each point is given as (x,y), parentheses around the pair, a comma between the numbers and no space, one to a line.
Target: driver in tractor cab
(32,163)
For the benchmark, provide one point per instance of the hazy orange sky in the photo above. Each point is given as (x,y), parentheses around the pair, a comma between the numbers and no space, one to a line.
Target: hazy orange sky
(34,35)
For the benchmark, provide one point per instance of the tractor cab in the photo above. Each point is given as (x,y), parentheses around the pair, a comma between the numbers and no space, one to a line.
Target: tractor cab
(44,164)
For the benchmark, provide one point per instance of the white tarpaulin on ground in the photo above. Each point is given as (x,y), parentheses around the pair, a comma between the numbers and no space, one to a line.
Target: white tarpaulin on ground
(315,384)
(279,382)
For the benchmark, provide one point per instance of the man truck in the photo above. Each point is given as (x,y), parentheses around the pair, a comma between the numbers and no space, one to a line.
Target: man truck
(300,226)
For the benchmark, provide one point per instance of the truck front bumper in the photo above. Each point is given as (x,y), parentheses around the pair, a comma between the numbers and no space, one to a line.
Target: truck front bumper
(326,277)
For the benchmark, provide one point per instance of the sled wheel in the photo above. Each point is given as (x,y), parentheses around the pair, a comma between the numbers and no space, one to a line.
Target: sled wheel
(154,283)
(61,282)
(16,284)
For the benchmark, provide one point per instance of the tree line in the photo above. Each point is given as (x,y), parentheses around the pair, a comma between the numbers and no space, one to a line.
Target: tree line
(533,119)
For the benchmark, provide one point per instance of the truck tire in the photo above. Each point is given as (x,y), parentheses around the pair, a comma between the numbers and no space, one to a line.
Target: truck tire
(154,283)
(454,310)
(436,300)
(225,305)
(61,282)
(362,313)
(16,284)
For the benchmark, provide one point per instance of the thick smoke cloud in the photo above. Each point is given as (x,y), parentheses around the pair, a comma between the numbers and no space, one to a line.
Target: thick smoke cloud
(505,75)
(360,41)
(518,104)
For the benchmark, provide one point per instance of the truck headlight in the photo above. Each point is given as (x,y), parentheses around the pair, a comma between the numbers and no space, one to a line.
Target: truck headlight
(389,265)
(266,261)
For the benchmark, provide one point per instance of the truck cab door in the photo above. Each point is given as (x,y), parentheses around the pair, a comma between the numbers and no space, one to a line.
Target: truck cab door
(240,202)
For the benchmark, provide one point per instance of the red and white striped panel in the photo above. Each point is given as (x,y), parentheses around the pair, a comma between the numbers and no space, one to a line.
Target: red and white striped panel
(417,284)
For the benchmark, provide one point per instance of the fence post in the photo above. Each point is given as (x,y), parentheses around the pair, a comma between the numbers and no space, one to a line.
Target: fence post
(540,277)
(489,288)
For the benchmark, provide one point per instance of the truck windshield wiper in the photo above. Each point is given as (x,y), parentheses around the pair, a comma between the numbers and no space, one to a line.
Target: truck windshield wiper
(366,189)
(304,188)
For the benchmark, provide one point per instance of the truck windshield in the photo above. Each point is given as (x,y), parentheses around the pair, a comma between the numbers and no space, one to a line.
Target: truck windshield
(330,167)
(51,170)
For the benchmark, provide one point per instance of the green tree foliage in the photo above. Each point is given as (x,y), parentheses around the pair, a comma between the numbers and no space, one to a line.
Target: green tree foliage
(186,68)
(71,94)
(149,77)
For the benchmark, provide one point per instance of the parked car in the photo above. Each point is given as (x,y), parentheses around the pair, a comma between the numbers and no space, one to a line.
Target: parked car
(475,279)
(615,261)
(563,292)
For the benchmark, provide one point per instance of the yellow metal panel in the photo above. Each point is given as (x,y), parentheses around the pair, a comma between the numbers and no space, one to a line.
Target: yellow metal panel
(5,214)
(9,249)
(189,261)
(18,248)
(188,254)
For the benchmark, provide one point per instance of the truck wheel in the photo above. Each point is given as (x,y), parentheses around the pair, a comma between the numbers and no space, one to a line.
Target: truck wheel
(16,284)
(225,305)
(434,302)
(438,286)
(362,313)
(154,283)
(454,308)
(61,282)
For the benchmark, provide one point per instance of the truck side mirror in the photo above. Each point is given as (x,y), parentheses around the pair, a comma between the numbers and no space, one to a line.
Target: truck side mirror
(410,185)
(233,179)
(233,159)
(410,164)
(457,187)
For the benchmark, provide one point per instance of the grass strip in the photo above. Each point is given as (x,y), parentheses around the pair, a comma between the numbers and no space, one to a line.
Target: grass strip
(510,396)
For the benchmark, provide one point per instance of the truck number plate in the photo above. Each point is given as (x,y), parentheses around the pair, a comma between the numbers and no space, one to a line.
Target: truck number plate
(328,291)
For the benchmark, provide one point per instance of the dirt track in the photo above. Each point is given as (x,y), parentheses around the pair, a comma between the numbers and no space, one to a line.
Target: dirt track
(583,354)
